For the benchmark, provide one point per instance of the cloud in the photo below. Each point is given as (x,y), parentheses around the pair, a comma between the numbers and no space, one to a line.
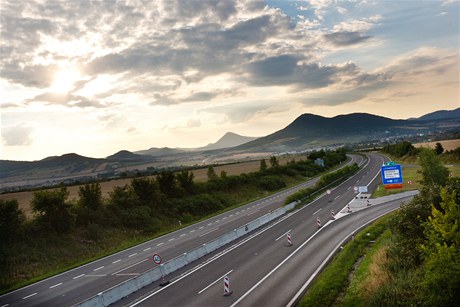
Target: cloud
(66,99)
(423,61)
(18,135)
(342,39)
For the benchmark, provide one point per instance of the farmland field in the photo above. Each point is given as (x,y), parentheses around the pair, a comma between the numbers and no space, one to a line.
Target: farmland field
(447,145)
(24,198)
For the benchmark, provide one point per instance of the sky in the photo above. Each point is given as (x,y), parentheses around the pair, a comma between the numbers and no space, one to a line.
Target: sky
(96,77)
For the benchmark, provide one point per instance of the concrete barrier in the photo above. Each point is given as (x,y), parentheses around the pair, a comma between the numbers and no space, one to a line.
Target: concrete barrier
(129,286)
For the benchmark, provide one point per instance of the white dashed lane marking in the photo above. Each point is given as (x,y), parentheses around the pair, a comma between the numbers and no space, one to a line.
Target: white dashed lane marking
(25,297)
(82,275)
(56,285)
(116,261)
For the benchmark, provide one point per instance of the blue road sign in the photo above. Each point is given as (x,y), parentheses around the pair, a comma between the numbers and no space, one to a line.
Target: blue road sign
(392,174)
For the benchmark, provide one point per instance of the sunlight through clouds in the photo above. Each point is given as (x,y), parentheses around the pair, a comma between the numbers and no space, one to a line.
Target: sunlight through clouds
(204,68)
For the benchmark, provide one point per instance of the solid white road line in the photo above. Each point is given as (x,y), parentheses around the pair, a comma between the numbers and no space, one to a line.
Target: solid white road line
(209,232)
(79,276)
(314,213)
(128,267)
(218,279)
(25,297)
(283,235)
(275,269)
(56,285)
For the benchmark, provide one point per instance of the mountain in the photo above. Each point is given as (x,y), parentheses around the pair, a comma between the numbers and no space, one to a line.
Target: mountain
(127,156)
(309,131)
(230,139)
(158,152)
(67,164)
(443,114)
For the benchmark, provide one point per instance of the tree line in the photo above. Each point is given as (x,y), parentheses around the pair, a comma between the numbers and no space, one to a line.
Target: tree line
(424,256)
(147,205)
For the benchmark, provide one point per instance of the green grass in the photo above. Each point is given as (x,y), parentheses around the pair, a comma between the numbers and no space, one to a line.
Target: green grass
(410,172)
(334,279)
(369,275)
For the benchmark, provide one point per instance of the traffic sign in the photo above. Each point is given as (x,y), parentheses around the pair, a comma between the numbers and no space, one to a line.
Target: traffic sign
(392,174)
(157,258)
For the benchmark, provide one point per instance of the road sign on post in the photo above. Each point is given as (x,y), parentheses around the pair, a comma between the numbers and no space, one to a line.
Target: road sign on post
(156,258)
(392,176)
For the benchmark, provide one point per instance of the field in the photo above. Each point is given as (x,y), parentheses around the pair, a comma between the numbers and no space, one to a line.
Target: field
(24,198)
(447,145)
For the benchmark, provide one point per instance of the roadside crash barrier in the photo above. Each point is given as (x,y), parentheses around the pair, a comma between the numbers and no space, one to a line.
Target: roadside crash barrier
(116,293)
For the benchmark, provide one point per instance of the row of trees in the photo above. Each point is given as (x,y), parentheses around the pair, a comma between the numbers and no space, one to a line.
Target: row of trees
(146,205)
(424,257)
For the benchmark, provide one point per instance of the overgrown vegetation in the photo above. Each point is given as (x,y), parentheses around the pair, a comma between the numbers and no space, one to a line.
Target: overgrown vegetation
(66,233)
(418,258)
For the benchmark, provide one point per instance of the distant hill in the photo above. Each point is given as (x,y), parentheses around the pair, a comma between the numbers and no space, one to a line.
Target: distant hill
(443,114)
(127,156)
(158,152)
(309,130)
(69,164)
(230,139)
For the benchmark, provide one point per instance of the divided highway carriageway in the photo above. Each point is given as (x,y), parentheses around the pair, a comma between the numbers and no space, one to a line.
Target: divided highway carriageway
(76,285)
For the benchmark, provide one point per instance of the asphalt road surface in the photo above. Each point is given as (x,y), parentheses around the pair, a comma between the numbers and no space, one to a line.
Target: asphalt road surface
(262,269)
(78,284)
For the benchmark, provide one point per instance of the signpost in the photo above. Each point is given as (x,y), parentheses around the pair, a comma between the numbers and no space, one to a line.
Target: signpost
(392,175)
(156,259)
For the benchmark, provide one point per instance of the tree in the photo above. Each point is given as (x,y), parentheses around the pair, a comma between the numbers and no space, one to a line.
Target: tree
(263,165)
(146,190)
(442,258)
(167,182)
(439,149)
(11,220)
(90,196)
(274,161)
(212,176)
(434,173)
(185,180)
(53,210)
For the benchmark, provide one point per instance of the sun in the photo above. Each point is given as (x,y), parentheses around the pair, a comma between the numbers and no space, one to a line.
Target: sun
(64,80)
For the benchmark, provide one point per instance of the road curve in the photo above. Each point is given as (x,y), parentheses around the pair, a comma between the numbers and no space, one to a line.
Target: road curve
(261,268)
(78,284)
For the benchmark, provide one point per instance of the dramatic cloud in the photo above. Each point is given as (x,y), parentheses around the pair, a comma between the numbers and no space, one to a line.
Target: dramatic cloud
(111,68)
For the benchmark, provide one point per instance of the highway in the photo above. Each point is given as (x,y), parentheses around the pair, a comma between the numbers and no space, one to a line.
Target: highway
(74,286)
(262,269)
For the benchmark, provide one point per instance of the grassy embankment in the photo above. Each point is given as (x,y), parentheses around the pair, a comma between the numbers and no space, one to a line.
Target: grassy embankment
(327,289)
(356,273)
